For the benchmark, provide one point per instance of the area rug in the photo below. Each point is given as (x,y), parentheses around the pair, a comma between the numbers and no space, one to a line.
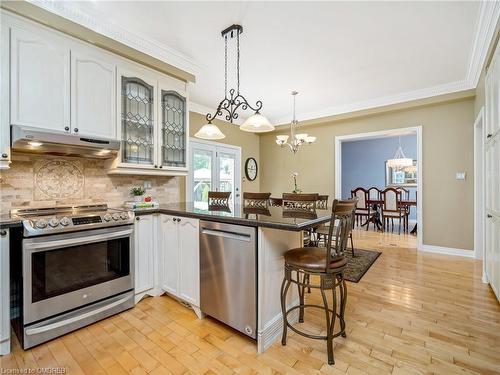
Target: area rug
(359,264)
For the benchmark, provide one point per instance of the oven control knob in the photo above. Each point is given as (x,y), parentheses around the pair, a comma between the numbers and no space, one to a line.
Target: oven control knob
(40,224)
(54,222)
(107,217)
(116,216)
(124,216)
(64,221)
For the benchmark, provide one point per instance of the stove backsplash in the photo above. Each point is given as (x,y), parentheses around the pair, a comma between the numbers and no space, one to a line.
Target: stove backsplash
(42,181)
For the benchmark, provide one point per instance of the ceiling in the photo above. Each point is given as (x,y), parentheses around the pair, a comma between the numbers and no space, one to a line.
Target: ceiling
(340,56)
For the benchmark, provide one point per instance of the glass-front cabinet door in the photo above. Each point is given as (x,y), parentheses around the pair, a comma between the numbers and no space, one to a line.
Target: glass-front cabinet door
(137,121)
(173,129)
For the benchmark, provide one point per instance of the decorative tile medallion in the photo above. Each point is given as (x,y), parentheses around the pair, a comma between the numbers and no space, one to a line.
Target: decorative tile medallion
(58,179)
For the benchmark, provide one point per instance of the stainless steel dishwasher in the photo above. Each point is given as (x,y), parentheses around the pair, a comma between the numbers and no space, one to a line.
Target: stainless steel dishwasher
(228,280)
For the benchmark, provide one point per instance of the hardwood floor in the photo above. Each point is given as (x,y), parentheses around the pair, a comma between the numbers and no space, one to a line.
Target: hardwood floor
(412,313)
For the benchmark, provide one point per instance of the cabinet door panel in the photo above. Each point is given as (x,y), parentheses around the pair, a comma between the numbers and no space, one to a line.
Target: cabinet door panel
(93,97)
(40,80)
(144,253)
(4,97)
(169,255)
(189,265)
(4,293)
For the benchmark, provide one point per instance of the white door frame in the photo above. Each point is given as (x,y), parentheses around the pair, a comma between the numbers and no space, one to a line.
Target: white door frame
(237,174)
(379,134)
(479,186)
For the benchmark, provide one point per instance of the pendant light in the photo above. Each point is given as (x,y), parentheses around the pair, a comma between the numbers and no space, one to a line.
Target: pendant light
(233,99)
(399,160)
(296,140)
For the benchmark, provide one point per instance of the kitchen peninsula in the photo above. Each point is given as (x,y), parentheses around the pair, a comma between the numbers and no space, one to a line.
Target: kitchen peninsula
(224,261)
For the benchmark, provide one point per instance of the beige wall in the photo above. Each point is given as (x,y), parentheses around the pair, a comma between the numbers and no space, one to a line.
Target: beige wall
(447,148)
(249,143)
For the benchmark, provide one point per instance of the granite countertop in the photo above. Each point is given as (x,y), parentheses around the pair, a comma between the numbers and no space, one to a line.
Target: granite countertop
(273,217)
(8,221)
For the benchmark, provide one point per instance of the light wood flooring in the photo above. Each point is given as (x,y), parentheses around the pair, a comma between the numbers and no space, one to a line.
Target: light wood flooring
(412,313)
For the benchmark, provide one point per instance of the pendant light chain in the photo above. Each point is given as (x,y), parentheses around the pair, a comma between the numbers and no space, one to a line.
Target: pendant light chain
(225,66)
(238,61)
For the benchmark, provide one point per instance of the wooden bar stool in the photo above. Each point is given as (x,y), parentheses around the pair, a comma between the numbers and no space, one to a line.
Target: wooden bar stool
(328,264)
(256,200)
(218,198)
(301,203)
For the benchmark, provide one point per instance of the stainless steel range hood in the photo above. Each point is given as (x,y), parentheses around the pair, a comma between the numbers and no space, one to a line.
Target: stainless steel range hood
(39,141)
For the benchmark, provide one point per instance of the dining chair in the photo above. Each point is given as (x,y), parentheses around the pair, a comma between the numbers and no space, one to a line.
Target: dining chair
(363,209)
(218,198)
(327,264)
(275,202)
(391,209)
(256,200)
(374,193)
(405,193)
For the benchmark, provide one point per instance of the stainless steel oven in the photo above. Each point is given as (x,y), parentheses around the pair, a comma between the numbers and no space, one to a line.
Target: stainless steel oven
(72,277)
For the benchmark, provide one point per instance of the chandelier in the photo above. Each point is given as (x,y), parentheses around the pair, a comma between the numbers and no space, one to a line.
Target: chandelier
(399,160)
(296,140)
(233,99)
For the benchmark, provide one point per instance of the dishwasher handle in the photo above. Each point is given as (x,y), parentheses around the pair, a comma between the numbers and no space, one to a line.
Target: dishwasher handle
(227,234)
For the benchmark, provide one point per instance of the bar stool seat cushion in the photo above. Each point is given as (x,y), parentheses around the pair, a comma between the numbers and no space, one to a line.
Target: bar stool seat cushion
(312,259)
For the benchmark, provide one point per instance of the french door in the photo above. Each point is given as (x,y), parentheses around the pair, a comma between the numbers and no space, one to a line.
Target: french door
(213,167)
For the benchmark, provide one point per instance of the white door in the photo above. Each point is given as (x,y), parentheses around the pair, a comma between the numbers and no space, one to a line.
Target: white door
(492,174)
(40,80)
(144,253)
(213,168)
(93,96)
(169,254)
(189,260)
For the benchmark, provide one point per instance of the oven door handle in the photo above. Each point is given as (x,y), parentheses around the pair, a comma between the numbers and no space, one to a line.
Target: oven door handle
(62,323)
(55,244)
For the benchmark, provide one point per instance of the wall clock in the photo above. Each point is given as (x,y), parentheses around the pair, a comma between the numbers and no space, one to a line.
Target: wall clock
(251,169)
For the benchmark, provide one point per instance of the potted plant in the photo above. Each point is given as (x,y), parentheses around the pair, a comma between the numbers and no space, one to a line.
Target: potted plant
(137,192)
(296,189)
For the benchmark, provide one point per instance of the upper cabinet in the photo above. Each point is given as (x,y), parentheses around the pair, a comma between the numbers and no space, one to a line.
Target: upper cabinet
(93,95)
(40,80)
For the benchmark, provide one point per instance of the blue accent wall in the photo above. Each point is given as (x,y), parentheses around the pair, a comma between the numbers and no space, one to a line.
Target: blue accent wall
(363,162)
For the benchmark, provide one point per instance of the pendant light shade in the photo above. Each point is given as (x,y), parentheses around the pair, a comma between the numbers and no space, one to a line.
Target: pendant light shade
(209,131)
(257,124)
(399,160)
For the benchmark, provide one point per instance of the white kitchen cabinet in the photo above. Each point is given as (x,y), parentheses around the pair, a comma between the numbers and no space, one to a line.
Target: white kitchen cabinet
(4,98)
(93,95)
(144,254)
(40,79)
(4,293)
(180,258)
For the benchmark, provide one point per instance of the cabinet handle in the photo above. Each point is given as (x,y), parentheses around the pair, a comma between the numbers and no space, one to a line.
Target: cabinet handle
(3,233)
(161,166)
(4,156)
(175,219)
(179,220)
(156,166)
(66,128)
(489,216)
(137,218)
(76,130)
(489,136)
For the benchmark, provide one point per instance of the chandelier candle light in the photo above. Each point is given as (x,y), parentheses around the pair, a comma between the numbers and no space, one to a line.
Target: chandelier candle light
(399,160)
(296,140)
(235,100)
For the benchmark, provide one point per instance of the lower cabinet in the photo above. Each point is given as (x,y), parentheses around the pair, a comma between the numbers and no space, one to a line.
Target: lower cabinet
(145,254)
(179,249)
(4,293)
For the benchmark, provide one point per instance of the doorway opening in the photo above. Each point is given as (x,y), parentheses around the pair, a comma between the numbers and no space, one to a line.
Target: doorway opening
(410,179)
(213,167)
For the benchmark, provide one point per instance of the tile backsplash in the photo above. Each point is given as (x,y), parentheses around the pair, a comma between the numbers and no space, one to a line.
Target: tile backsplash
(43,181)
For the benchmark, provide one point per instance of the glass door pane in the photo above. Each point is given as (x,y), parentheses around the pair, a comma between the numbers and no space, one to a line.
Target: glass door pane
(226,172)
(137,121)
(202,176)
(173,128)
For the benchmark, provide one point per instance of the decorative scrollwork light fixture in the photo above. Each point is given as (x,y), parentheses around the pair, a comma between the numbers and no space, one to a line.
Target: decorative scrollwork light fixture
(235,100)
(296,140)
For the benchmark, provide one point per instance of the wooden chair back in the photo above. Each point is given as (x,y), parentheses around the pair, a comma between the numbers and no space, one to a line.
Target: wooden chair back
(218,198)
(403,192)
(256,200)
(390,200)
(275,202)
(374,193)
(341,223)
(322,202)
(362,195)
(300,202)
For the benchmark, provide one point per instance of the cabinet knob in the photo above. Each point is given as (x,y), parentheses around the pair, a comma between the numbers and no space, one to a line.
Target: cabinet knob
(174,219)
(489,216)
(3,233)
(76,130)
(178,219)
(137,218)
(4,156)
(66,128)
(161,166)
(489,136)
(156,166)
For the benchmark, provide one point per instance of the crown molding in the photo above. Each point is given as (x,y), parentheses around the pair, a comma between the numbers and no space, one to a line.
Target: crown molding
(203,110)
(489,13)
(137,41)
(385,101)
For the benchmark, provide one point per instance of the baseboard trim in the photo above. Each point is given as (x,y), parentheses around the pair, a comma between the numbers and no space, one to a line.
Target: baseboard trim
(5,346)
(448,251)
(272,332)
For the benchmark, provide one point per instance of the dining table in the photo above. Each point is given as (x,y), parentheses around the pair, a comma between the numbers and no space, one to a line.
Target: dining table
(403,203)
